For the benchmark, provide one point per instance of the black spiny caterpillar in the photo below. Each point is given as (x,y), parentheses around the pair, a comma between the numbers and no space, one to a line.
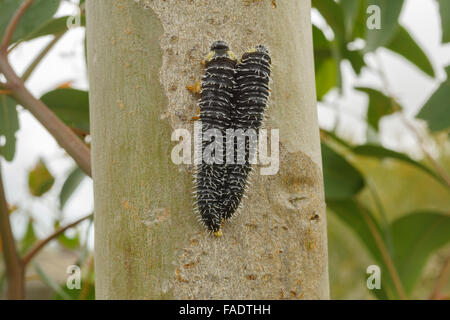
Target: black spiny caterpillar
(250,100)
(216,100)
(232,97)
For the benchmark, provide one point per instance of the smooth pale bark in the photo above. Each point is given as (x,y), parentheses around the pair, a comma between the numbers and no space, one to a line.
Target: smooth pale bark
(148,244)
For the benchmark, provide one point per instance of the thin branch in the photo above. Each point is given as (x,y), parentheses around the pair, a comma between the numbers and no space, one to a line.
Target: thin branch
(65,137)
(441,280)
(13,264)
(38,246)
(15,45)
(39,58)
(384,254)
(12,27)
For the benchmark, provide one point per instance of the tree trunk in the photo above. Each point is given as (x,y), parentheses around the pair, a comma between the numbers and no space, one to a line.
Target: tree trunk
(148,244)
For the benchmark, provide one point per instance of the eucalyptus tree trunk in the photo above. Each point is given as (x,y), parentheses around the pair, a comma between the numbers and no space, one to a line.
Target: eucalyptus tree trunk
(148,244)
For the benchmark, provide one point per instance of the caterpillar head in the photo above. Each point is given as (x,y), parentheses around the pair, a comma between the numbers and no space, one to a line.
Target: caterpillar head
(259,50)
(220,49)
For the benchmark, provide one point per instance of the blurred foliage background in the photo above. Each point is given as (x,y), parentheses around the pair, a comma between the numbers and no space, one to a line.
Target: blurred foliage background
(387,206)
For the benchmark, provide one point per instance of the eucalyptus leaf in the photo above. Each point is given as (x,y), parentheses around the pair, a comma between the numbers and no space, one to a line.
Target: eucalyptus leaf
(40,180)
(380,152)
(416,236)
(36,16)
(444,7)
(341,179)
(380,105)
(404,44)
(436,110)
(70,105)
(70,185)
(332,13)
(9,125)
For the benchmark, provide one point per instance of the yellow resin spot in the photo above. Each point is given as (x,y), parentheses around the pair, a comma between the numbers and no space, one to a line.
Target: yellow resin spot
(195,88)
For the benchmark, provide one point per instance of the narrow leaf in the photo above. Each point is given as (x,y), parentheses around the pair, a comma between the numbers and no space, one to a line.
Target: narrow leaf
(379,152)
(332,13)
(436,110)
(53,27)
(444,6)
(9,124)
(350,9)
(325,77)
(70,185)
(70,105)
(341,179)
(404,44)
(380,105)
(29,238)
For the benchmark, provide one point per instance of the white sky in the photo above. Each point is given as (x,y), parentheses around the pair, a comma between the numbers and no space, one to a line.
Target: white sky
(66,63)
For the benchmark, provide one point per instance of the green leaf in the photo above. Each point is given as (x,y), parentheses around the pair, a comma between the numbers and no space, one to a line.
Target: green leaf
(380,105)
(326,68)
(53,27)
(9,124)
(70,185)
(348,211)
(350,9)
(332,13)
(37,15)
(444,6)
(325,77)
(341,179)
(29,238)
(415,237)
(360,27)
(67,242)
(51,283)
(70,105)
(379,152)
(436,110)
(40,180)
(325,135)
(404,44)
(322,47)
(365,226)
(8,8)
(356,60)
(389,14)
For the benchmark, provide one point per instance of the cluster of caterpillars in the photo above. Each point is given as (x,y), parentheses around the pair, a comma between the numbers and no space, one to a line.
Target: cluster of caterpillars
(233,95)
